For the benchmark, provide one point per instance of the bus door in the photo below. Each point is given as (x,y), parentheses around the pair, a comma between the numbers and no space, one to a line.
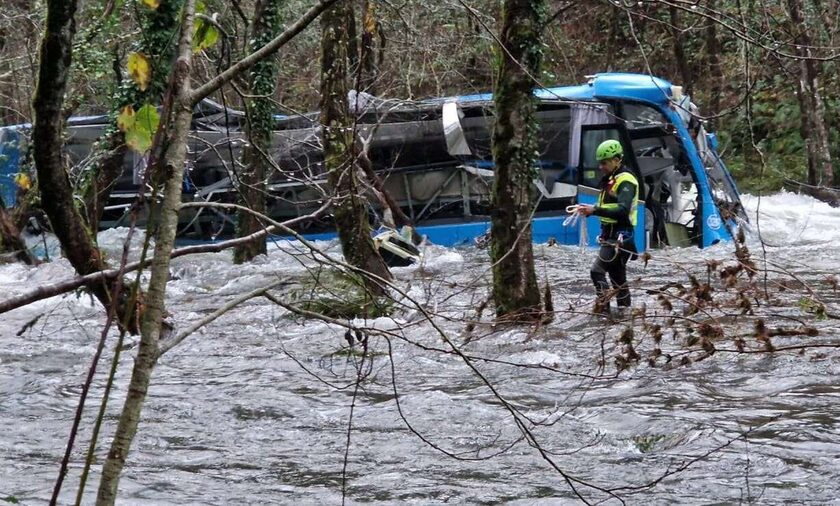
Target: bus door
(589,177)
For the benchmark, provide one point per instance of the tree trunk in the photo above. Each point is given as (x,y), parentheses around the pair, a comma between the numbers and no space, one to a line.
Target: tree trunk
(713,63)
(815,133)
(612,41)
(342,175)
(171,166)
(53,182)
(828,20)
(679,50)
(514,145)
(353,51)
(260,127)
(369,54)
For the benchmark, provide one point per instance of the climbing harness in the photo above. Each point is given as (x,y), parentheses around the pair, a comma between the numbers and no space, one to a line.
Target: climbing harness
(616,245)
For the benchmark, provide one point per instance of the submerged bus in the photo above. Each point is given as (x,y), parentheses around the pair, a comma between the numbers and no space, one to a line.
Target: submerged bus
(434,157)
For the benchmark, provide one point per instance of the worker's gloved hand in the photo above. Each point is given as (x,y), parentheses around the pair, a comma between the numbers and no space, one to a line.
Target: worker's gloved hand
(585,209)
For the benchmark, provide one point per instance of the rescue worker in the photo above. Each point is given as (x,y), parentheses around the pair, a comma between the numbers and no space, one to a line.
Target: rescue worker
(616,209)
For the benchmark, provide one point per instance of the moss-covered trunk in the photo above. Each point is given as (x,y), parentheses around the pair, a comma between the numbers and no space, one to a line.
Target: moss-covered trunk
(515,287)
(260,108)
(56,192)
(170,168)
(349,203)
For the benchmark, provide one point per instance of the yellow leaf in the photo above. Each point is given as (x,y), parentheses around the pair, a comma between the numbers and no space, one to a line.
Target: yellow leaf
(23,181)
(126,118)
(151,4)
(370,19)
(140,70)
(138,140)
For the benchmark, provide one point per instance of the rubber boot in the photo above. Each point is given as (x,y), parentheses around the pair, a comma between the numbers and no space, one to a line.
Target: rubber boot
(602,293)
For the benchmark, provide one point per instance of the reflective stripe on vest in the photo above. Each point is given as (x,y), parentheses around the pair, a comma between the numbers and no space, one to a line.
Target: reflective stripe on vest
(612,187)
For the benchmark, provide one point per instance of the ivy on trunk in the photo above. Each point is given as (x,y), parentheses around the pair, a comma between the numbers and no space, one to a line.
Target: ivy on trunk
(515,287)
(342,173)
(260,126)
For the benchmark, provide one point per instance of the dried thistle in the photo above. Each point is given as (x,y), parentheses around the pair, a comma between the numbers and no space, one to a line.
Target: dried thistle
(626,336)
(646,258)
(710,331)
(665,303)
(656,334)
(744,303)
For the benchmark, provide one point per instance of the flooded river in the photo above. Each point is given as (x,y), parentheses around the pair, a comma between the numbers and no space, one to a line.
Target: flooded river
(255,409)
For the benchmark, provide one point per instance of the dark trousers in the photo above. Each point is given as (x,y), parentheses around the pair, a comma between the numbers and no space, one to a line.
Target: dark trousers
(612,262)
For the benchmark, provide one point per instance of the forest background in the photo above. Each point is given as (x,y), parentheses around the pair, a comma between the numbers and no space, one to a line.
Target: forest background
(729,55)
(764,74)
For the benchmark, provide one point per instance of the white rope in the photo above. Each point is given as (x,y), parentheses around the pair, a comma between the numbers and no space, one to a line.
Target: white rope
(573,220)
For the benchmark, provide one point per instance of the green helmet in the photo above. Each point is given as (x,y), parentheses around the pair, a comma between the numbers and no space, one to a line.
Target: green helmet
(609,149)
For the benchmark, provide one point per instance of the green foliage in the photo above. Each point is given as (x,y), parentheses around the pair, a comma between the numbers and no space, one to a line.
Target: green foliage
(812,306)
(748,173)
(647,443)
(205,33)
(157,40)
(139,127)
(337,294)
(776,124)
(263,75)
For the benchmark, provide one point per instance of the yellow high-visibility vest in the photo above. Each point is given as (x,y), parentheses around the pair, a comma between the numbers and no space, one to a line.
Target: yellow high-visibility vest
(608,197)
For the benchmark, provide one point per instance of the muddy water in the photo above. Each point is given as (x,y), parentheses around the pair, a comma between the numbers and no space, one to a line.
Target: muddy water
(255,409)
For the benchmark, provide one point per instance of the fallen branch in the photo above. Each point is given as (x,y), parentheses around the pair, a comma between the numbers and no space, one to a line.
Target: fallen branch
(830,196)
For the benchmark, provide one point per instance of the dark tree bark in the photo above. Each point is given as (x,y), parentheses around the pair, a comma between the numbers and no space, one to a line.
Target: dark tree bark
(713,63)
(370,54)
(679,50)
(812,108)
(349,205)
(353,51)
(262,83)
(53,181)
(515,287)
(612,41)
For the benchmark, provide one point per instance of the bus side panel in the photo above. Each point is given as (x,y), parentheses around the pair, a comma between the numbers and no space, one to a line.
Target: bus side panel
(639,232)
(9,164)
